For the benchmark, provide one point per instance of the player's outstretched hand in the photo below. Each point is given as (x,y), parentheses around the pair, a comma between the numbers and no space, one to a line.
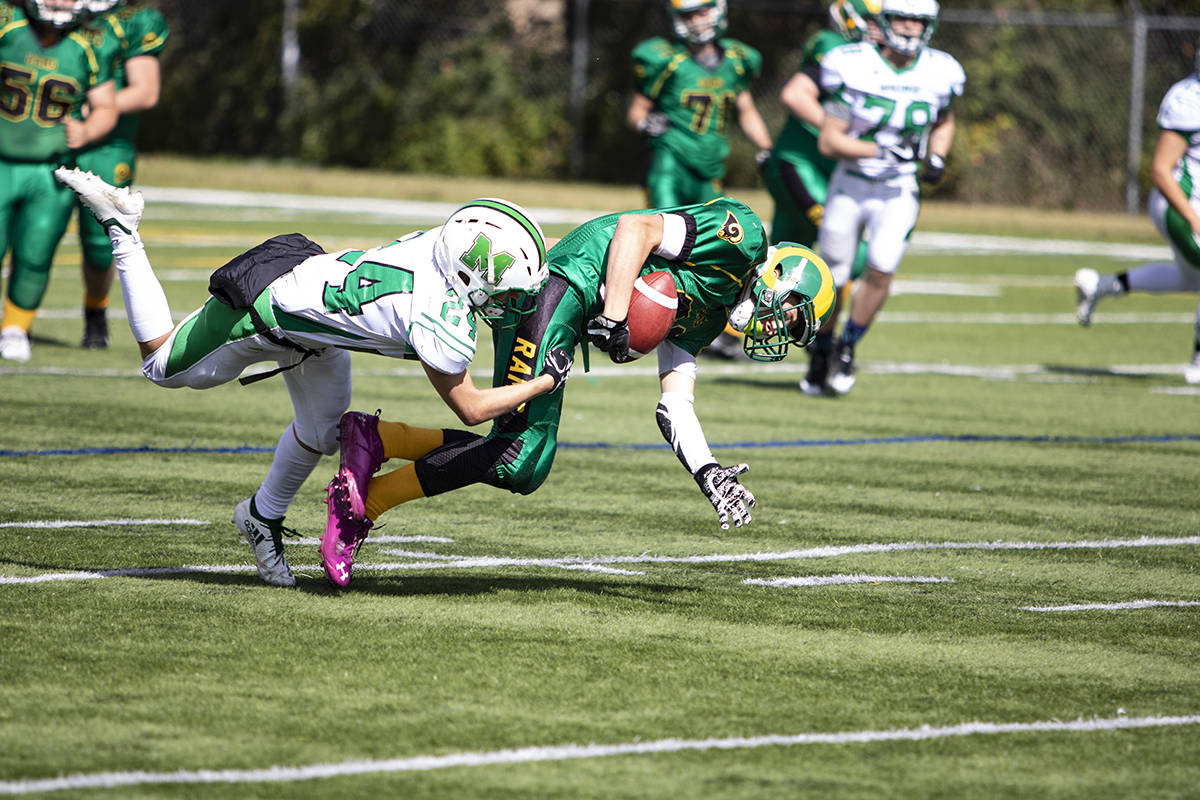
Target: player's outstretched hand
(935,169)
(731,500)
(654,124)
(611,336)
(557,365)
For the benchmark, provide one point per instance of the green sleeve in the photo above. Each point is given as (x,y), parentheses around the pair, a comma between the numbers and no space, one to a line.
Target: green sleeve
(651,62)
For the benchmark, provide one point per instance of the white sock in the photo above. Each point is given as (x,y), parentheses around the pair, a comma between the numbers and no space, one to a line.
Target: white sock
(1156,278)
(291,466)
(145,302)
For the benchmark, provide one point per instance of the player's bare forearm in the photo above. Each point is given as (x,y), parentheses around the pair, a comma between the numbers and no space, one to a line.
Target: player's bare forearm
(835,142)
(473,405)
(752,123)
(942,135)
(1170,148)
(635,237)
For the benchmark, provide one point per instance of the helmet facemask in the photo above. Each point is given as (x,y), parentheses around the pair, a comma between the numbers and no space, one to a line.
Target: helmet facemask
(98,7)
(698,21)
(57,14)
(924,11)
(494,255)
(787,304)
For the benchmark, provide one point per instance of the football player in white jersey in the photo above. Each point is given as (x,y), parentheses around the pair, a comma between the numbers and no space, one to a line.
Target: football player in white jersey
(288,301)
(889,109)
(1174,206)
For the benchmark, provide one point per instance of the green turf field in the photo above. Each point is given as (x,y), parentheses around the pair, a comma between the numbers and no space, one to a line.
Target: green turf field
(885,626)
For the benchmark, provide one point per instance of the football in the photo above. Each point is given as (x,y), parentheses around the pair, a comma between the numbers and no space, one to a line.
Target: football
(651,311)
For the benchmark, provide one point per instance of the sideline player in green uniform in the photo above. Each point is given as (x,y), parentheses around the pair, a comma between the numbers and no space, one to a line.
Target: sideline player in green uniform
(687,91)
(797,176)
(723,269)
(136,33)
(50,70)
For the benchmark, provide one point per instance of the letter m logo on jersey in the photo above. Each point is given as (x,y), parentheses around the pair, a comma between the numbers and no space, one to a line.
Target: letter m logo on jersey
(477,258)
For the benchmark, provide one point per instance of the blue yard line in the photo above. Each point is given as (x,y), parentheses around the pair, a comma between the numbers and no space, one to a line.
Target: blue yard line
(965,438)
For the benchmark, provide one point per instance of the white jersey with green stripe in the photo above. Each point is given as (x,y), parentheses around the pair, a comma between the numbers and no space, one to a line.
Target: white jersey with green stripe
(1180,112)
(391,300)
(887,105)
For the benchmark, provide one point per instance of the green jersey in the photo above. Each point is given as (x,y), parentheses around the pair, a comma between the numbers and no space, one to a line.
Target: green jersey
(797,142)
(41,86)
(698,102)
(724,245)
(124,34)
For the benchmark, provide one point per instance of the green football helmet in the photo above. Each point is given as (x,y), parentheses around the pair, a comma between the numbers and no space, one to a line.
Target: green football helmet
(58,14)
(695,27)
(789,301)
(850,18)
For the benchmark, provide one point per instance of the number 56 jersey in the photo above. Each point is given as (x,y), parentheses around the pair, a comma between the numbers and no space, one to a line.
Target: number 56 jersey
(391,300)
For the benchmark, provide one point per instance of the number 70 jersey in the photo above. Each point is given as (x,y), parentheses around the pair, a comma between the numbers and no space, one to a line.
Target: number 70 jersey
(391,300)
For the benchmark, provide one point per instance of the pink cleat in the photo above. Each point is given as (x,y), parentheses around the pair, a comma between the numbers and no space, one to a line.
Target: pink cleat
(347,525)
(345,528)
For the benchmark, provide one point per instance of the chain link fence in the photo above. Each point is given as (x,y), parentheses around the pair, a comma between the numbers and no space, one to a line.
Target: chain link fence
(1059,108)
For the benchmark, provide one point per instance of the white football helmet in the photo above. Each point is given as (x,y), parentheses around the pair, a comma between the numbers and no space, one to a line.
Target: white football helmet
(924,10)
(58,14)
(698,21)
(492,247)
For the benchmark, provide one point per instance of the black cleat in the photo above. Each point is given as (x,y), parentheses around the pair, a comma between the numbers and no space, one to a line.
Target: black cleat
(95,329)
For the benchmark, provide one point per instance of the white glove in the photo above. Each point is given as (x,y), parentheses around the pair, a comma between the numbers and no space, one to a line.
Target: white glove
(731,500)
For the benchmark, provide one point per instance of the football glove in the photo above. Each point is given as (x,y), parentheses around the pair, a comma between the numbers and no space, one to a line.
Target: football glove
(654,124)
(611,336)
(762,157)
(935,169)
(557,365)
(731,500)
(898,153)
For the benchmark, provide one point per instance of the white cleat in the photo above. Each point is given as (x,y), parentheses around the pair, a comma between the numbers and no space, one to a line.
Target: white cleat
(110,205)
(1087,292)
(265,539)
(14,344)
(1191,373)
(841,374)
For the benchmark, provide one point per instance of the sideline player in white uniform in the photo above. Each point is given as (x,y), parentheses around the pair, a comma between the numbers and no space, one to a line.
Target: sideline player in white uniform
(1174,206)
(889,108)
(288,301)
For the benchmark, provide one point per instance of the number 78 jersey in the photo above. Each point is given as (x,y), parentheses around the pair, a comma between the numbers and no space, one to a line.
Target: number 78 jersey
(887,105)
(391,300)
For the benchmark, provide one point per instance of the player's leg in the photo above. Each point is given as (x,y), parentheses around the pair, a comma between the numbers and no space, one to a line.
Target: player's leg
(1191,374)
(114,163)
(119,211)
(14,345)
(668,182)
(890,212)
(838,237)
(319,388)
(35,232)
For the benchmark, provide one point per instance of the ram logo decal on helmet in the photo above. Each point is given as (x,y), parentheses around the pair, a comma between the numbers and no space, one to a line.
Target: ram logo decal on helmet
(493,253)
(789,301)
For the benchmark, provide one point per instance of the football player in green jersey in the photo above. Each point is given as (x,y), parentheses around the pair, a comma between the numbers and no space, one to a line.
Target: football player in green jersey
(51,71)
(724,271)
(135,34)
(688,90)
(797,176)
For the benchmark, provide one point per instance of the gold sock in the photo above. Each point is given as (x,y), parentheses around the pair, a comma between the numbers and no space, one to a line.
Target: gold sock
(17,317)
(391,489)
(94,302)
(408,442)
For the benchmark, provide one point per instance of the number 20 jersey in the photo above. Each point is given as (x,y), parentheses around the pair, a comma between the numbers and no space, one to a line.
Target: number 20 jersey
(886,104)
(389,300)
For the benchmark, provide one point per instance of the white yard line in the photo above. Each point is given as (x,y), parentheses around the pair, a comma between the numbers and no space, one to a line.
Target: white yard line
(1115,606)
(99,523)
(837,580)
(575,752)
(601,563)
